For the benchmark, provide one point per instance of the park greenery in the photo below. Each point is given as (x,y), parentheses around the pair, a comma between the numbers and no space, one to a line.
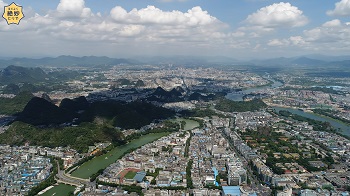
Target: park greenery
(188,142)
(227,105)
(95,175)
(213,187)
(154,175)
(171,188)
(273,143)
(188,174)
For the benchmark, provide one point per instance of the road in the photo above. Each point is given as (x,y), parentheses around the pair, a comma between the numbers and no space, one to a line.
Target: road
(252,177)
(62,177)
(255,183)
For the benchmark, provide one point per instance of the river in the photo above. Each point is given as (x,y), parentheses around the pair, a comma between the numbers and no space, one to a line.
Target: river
(60,190)
(190,124)
(238,96)
(343,128)
(103,161)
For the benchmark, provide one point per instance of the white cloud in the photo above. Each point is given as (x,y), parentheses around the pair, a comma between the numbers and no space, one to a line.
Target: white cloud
(332,23)
(277,42)
(147,27)
(332,36)
(342,8)
(291,41)
(238,34)
(75,29)
(297,41)
(73,8)
(152,15)
(277,15)
(330,32)
(131,30)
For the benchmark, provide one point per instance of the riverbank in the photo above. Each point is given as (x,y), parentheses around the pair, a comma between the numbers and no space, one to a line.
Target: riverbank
(238,96)
(91,167)
(343,128)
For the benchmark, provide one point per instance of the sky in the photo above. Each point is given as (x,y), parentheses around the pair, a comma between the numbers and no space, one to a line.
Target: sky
(241,29)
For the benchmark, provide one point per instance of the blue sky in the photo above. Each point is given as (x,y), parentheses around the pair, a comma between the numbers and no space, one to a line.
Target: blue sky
(240,29)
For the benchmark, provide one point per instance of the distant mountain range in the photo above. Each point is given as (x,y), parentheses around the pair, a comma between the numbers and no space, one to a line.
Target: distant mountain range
(64,61)
(89,61)
(312,60)
(289,61)
(17,74)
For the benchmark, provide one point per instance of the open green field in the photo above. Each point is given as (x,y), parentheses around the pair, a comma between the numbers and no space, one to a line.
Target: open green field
(130,175)
(60,190)
(103,161)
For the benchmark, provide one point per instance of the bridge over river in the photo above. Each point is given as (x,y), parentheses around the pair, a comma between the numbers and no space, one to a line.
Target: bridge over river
(64,178)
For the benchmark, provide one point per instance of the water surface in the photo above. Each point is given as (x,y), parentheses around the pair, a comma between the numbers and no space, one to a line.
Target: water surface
(343,128)
(103,161)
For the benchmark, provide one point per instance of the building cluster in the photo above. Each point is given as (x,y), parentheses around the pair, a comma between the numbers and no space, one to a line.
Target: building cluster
(218,154)
(264,172)
(24,167)
(251,120)
(180,106)
(162,163)
(212,157)
(334,142)
(21,168)
(194,78)
(161,167)
(314,146)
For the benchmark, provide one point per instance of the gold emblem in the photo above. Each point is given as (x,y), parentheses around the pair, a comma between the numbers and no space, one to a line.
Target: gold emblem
(13,14)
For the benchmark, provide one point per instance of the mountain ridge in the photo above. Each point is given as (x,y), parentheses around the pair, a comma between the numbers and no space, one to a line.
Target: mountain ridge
(92,61)
(64,61)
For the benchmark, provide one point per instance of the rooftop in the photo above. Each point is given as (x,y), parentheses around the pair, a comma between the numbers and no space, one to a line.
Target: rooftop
(231,190)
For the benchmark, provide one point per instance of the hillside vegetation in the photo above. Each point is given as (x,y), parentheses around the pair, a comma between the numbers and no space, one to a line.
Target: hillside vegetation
(240,106)
(79,137)
(13,106)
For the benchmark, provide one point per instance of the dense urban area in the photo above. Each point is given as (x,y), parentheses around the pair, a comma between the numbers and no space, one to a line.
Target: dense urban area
(168,130)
